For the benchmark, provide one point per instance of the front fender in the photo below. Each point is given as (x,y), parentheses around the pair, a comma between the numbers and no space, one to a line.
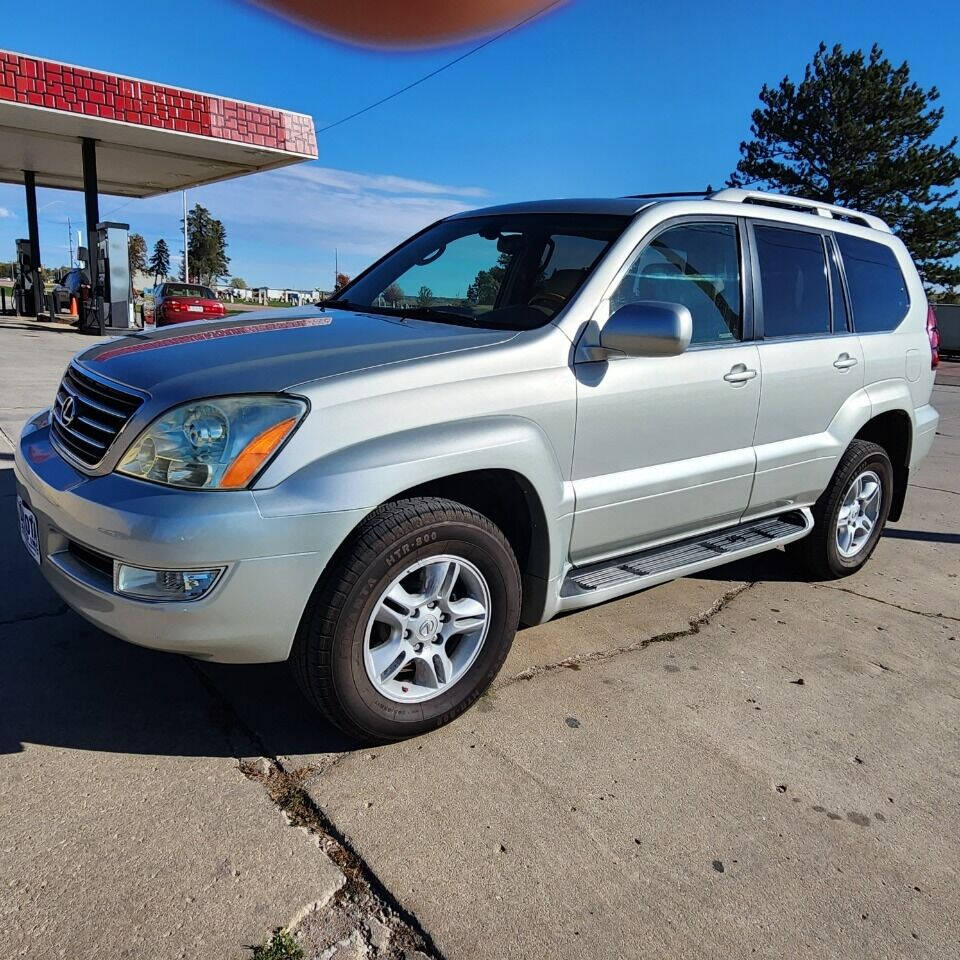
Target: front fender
(369,473)
(372,471)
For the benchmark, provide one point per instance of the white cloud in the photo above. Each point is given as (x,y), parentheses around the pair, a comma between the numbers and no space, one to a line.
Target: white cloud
(5,212)
(380,183)
(363,215)
(282,225)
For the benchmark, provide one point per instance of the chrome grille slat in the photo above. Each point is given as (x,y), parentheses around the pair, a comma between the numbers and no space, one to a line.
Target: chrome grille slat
(101,411)
(96,405)
(96,426)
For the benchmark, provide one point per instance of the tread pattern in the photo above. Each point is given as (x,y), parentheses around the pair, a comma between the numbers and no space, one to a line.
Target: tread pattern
(312,654)
(813,551)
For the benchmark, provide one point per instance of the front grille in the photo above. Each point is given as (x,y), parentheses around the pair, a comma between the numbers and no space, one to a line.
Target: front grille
(99,412)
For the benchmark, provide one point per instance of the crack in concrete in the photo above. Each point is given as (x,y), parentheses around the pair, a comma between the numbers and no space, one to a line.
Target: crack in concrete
(362,899)
(920,486)
(59,612)
(889,603)
(597,656)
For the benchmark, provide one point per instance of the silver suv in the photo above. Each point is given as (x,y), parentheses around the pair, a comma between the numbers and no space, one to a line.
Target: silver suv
(520,411)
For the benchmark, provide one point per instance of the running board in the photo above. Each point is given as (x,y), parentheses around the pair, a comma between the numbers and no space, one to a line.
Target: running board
(597,582)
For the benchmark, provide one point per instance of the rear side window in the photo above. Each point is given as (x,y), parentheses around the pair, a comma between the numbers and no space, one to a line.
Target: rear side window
(878,291)
(793,280)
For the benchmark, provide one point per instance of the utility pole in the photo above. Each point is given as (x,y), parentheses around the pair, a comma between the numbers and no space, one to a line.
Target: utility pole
(186,257)
(336,269)
(70,240)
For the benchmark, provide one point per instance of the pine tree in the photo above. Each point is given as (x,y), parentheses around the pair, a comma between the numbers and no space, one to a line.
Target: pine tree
(206,245)
(159,264)
(856,131)
(136,253)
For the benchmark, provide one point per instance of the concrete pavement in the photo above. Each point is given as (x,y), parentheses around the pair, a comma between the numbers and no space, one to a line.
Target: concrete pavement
(648,778)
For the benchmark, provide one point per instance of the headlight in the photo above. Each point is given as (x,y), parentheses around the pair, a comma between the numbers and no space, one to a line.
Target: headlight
(221,443)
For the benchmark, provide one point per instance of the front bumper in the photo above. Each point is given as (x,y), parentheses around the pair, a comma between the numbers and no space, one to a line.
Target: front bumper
(271,564)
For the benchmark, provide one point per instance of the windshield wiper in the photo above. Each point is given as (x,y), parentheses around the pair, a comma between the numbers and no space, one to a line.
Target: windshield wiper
(417,313)
(442,316)
(342,305)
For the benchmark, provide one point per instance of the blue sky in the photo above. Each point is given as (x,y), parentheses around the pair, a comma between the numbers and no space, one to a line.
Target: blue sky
(599,97)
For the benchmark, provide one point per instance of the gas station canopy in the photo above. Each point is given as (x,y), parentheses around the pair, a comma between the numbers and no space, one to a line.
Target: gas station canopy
(77,129)
(151,138)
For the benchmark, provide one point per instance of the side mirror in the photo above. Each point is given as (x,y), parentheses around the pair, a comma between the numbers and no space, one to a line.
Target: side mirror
(648,328)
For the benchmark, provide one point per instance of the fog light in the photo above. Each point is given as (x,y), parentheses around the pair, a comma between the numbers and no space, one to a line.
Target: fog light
(163,584)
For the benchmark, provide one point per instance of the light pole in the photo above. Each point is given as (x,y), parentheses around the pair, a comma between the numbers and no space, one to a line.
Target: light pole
(186,256)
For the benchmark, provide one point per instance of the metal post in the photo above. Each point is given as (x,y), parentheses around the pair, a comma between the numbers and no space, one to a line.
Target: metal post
(91,203)
(186,256)
(29,181)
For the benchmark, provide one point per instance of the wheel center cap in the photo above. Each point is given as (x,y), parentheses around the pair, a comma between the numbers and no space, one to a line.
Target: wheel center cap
(428,627)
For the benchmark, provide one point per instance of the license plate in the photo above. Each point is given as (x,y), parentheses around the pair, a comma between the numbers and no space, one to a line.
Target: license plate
(28,530)
(195,309)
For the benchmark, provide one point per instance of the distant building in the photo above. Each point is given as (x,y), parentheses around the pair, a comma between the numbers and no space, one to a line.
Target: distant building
(226,291)
(296,298)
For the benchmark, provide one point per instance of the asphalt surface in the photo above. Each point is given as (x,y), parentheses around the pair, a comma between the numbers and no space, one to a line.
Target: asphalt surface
(648,778)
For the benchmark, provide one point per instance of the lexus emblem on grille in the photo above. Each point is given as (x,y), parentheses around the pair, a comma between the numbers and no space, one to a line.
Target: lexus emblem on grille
(68,410)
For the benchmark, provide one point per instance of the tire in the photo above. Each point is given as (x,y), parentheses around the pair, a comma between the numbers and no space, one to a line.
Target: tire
(333,653)
(820,553)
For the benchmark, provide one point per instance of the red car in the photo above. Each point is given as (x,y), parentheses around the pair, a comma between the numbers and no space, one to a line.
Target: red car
(181,302)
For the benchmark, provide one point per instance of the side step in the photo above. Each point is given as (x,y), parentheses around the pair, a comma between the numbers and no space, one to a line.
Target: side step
(601,581)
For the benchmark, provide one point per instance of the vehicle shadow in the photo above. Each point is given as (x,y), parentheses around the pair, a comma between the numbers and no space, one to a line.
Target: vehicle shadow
(37,327)
(65,683)
(924,535)
(772,566)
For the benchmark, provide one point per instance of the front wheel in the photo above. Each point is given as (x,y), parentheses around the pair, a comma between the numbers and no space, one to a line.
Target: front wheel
(850,515)
(411,623)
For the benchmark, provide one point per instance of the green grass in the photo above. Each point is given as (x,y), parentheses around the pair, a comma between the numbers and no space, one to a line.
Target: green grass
(281,946)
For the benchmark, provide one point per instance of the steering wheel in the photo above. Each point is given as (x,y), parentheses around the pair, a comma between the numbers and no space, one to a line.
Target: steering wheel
(548,300)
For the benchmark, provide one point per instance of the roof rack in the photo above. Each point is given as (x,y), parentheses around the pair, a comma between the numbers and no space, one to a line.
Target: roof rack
(669,194)
(761,198)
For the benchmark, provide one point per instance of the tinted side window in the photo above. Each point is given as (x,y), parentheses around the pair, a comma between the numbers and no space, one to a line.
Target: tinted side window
(878,292)
(793,278)
(696,265)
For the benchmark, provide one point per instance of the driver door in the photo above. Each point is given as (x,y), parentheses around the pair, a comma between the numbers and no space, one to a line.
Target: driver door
(664,445)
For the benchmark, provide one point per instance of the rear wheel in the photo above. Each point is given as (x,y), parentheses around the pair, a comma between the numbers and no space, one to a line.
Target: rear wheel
(411,623)
(850,515)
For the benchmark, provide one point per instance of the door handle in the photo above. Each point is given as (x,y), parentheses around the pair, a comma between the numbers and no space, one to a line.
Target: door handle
(845,361)
(739,374)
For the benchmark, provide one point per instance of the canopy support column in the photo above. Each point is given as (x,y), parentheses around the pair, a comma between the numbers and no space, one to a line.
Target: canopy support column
(36,300)
(91,203)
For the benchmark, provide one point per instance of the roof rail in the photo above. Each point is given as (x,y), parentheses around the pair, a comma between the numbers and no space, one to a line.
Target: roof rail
(762,198)
(668,194)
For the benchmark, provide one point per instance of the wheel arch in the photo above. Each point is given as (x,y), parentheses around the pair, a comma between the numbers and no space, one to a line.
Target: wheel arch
(893,430)
(510,500)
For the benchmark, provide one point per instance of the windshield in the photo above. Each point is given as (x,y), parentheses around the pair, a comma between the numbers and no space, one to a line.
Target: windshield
(514,271)
(188,290)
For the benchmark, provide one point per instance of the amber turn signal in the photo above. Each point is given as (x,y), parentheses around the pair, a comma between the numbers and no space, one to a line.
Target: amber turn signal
(255,453)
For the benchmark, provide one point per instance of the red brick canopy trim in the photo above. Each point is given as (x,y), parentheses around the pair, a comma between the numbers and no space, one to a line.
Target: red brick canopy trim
(44,83)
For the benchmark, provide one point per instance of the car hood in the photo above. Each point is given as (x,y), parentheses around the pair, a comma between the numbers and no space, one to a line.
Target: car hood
(269,351)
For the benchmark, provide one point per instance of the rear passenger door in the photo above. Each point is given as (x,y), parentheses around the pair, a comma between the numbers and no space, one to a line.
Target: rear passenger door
(810,359)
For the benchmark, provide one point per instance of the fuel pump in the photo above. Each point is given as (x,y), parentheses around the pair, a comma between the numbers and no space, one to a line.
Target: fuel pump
(23,280)
(109,304)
